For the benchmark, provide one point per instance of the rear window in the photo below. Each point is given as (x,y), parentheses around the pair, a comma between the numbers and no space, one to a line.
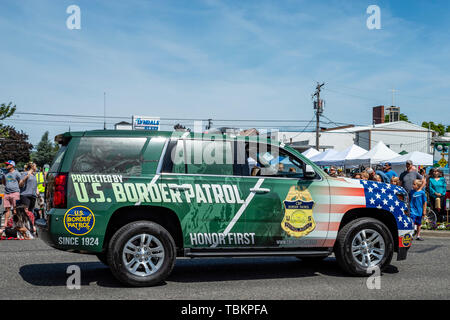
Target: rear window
(109,156)
(58,159)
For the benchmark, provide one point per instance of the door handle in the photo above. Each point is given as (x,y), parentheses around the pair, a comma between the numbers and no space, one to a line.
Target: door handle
(259,190)
(182,187)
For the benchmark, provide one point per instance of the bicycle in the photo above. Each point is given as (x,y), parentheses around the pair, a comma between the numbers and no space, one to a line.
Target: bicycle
(430,218)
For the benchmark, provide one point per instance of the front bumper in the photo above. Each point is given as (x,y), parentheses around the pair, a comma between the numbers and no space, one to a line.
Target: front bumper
(404,243)
(402,253)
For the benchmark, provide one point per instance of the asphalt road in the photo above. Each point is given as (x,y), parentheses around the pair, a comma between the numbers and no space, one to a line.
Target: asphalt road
(32,270)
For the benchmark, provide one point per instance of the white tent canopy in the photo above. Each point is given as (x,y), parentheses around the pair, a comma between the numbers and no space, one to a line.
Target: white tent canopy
(417,158)
(340,158)
(311,152)
(378,154)
(323,156)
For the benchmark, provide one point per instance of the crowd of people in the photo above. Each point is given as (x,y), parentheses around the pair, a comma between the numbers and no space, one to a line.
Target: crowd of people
(23,200)
(424,189)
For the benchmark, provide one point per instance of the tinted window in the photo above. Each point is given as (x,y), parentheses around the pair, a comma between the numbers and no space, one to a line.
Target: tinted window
(58,159)
(109,156)
(202,157)
(265,160)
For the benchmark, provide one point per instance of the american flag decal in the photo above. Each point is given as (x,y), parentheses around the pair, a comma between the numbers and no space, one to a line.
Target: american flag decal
(383,196)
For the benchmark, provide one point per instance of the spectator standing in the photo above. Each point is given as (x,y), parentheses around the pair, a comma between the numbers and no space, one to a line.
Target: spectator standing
(395,181)
(28,187)
(333,172)
(387,168)
(46,169)
(12,191)
(40,178)
(383,176)
(357,175)
(408,177)
(371,174)
(418,205)
(364,175)
(438,188)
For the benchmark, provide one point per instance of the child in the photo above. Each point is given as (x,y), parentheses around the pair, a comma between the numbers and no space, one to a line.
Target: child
(395,181)
(418,206)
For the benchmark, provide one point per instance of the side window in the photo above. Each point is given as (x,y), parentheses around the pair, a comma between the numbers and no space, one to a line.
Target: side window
(268,160)
(109,156)
(200,157)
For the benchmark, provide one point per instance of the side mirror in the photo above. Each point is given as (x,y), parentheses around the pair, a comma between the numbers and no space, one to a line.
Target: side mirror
(309,172)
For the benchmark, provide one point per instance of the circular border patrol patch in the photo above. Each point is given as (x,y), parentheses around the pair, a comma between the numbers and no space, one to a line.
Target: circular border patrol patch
(407,239)
(79,220)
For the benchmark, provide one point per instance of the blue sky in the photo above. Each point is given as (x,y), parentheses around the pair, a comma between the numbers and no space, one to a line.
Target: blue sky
(223,60)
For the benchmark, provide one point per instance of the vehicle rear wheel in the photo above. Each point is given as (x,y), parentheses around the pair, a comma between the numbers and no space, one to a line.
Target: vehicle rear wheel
(363,245)
(141,253)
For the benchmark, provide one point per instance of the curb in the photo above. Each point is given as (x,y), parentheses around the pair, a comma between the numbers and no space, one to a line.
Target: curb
(435,234)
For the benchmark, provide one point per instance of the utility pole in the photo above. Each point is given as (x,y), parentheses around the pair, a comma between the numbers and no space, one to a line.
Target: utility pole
(318,106)
(209,125)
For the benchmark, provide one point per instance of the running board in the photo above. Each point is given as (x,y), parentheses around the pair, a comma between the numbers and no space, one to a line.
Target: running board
(254,253)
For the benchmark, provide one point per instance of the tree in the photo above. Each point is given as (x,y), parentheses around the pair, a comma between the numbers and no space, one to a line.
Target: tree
(440,128)
(6,111)
(45,151)
(15,146)
(403,117)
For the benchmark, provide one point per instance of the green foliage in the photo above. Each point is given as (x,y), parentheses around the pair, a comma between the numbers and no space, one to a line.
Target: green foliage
(45,151)
(15,146)
(403,117)
(6,111)
(440,128)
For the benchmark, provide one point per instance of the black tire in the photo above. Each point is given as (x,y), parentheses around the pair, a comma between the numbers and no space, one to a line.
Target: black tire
(343,246)
(102,256)
(126,233)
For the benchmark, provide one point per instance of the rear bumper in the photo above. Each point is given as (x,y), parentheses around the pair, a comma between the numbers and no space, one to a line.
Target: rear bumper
(44,232)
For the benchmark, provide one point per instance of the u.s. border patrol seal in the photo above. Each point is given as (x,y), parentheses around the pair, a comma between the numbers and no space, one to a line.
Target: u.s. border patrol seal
(79,220)
(407,240)
(298,218)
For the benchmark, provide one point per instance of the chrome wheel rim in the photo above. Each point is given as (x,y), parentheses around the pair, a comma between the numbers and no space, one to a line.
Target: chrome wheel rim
(368,248)
(143,255)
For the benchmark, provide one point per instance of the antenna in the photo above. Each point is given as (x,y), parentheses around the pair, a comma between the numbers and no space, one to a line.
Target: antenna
(393,92)
(104,110)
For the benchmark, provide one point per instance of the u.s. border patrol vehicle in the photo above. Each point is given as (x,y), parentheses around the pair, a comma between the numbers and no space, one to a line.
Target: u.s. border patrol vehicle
(139,199)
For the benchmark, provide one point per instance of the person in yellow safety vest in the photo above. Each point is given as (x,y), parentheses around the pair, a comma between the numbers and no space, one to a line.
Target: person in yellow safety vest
(40,177)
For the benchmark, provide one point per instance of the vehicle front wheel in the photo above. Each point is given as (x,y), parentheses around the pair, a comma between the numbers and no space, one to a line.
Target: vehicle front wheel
(141,253)
(102,256)
(363,245)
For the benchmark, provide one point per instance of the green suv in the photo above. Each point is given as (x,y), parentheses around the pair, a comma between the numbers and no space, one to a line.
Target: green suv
(139,199)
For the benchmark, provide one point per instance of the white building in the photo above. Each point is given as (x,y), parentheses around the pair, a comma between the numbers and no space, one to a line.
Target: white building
(305,140)
(398,136)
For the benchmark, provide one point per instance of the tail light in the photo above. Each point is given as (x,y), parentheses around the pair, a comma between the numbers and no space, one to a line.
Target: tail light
(60,193)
